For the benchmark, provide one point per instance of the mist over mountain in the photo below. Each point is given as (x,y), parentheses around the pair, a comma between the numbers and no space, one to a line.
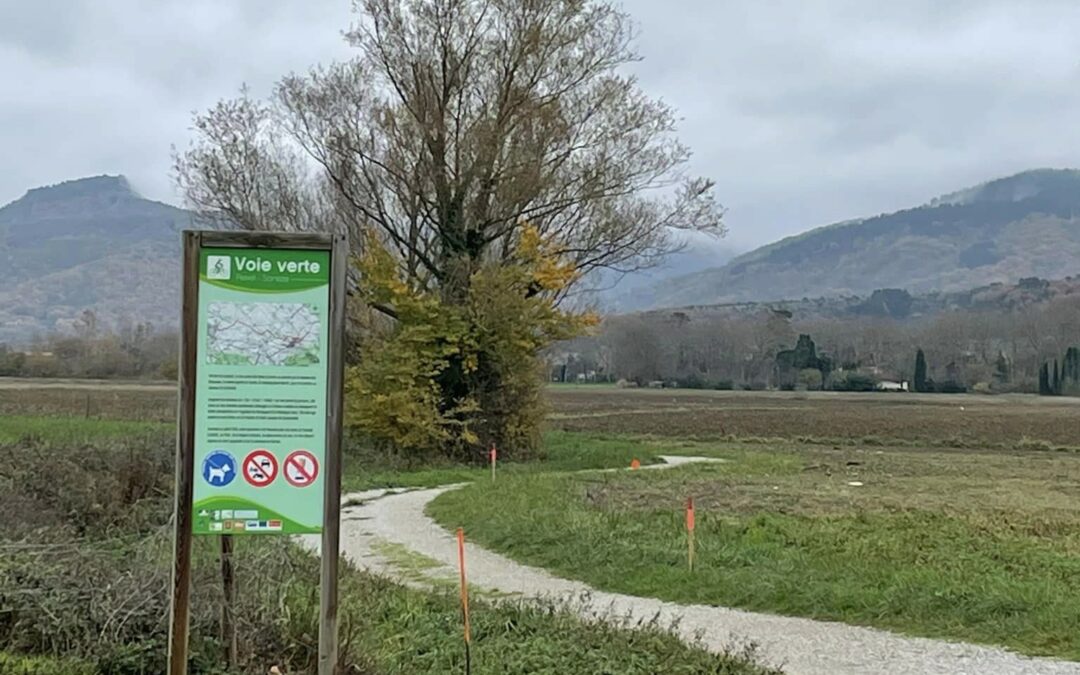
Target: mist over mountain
(998,232)
(90,244)
(614,292)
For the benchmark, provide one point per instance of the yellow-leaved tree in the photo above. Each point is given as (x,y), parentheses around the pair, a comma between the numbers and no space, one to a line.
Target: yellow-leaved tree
(493,340)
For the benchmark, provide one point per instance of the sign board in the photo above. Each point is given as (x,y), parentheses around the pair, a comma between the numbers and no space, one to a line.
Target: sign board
(261,389)
(260,406)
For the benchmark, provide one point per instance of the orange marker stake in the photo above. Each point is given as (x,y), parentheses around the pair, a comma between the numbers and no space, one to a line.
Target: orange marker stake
(635,465)
(464,599)
(493,455)
(690,532)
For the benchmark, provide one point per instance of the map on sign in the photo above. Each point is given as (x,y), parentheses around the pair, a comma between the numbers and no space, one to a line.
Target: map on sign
(262,334)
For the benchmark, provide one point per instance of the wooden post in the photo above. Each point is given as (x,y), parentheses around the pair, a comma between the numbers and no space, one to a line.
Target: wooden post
(228,602)
(185,459)
(328,578)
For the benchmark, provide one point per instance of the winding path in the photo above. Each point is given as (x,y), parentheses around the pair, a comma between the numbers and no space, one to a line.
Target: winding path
(381,529)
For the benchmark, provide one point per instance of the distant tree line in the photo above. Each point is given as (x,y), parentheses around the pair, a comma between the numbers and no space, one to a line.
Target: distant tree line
(974,350)
(132,350)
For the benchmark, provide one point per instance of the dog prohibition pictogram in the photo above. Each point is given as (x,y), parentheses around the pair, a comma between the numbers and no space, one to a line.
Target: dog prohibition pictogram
(301,468)
(260,467)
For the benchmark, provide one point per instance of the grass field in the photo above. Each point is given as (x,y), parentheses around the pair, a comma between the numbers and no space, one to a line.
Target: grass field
(73,431)
(84,564)
(945,516)
(973,545)
(56,414)
(134,401)
(921,420)
(562,452)
(963,526)
(964,420)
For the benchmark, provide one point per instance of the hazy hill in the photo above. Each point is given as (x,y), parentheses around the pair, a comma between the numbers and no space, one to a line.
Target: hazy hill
(87,244)
(612,292)
(999,232)
(96,244)
(894,303)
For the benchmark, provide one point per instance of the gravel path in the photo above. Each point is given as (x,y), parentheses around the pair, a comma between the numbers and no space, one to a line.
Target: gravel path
(381,527)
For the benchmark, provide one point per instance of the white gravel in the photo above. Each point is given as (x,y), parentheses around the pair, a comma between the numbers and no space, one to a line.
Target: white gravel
(799,646)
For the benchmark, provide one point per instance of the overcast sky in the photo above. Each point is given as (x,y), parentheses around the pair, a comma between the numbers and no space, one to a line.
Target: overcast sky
(805,112)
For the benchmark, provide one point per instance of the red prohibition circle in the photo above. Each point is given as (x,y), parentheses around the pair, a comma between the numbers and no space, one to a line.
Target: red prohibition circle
(301,468)
(260,467)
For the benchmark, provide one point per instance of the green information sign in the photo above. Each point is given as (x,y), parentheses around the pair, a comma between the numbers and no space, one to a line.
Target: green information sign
(261,391)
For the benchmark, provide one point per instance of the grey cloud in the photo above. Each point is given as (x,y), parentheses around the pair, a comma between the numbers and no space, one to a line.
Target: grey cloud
(804,111)
(811,112)
(94,87)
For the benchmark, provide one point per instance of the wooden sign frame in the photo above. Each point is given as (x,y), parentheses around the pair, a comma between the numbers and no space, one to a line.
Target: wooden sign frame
(193,242)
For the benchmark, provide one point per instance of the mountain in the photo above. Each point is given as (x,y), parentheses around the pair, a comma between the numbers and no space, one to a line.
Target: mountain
(892,303)
(96,244)
(89,244)
(1023,226)
(612,292)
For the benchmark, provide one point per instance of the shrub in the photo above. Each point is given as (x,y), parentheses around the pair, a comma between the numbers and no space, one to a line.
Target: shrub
(854,382)
(693,381)
(810,378)
(106,603)
(115,486)
(950,387)
(1026,443)
(85,563)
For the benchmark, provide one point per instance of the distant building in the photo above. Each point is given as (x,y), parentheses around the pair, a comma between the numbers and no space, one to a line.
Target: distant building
(886,385)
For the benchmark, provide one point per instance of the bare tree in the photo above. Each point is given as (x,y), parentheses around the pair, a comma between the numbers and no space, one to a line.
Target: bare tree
(459,122)
(636,348)
(460,127)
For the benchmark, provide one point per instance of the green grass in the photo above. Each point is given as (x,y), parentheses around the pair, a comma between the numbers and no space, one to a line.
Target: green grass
(69,431)
(561,452)
(389,628)
(13,664)
(111,559)
(974,546)
(415,632)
